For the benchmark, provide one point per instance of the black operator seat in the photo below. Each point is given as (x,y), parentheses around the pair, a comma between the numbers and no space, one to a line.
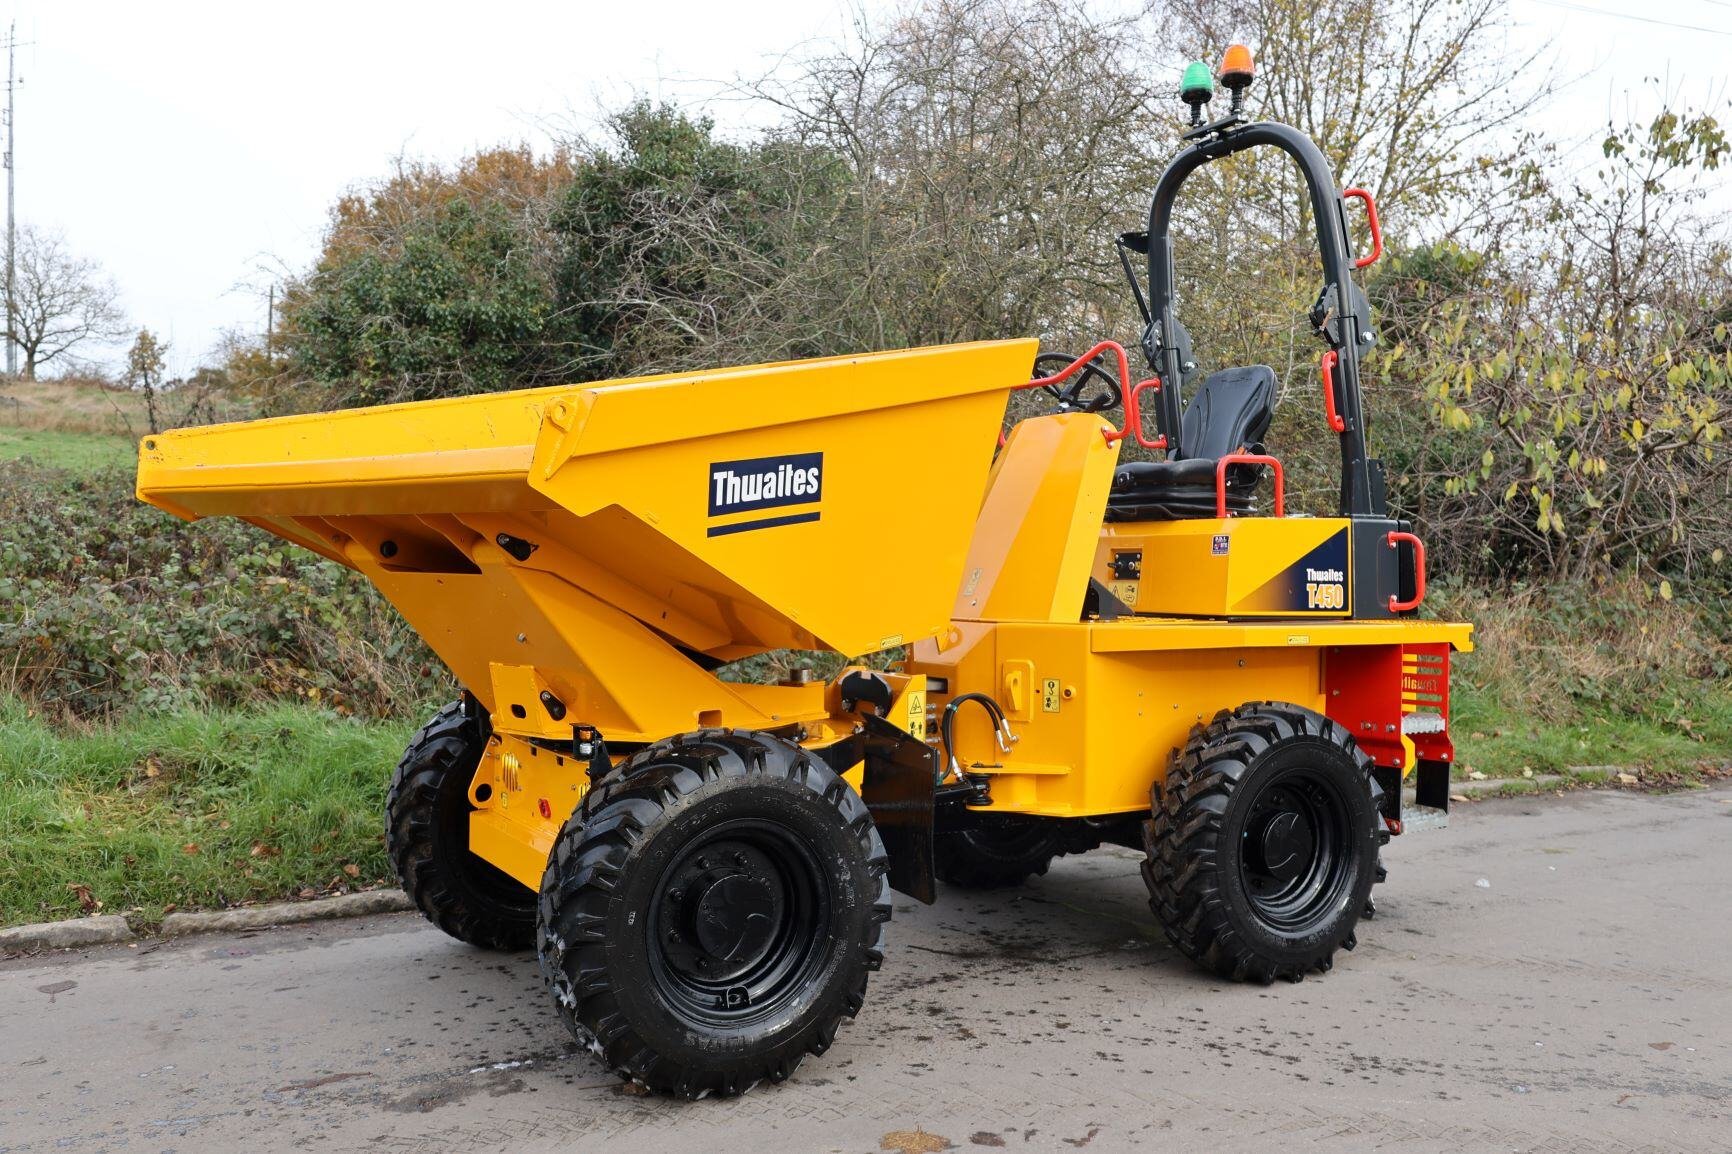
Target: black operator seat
(1229,413)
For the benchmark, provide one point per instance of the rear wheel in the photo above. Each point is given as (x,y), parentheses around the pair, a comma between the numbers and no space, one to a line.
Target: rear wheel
(990,857)
(1262,847)
(710,914)
(427,838)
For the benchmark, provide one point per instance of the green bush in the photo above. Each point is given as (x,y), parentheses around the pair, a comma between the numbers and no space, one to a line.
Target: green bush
(108,603)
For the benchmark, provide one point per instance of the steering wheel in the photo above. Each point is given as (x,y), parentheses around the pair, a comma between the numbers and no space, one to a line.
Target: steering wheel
(1074,396)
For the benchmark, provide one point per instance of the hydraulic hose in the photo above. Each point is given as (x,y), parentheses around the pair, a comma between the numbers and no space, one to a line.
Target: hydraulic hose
(947,724)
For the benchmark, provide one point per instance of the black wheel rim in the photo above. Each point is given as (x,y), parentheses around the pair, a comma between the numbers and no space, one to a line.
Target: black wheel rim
(1295,850)
(737,927)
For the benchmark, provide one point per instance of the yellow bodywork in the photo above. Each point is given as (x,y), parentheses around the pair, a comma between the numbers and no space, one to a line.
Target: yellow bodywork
(1098,706)
(1236,567)
(588,554)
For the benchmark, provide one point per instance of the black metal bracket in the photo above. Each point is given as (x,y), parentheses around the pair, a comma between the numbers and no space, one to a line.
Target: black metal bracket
(1431,784)
(1388,779)
(1099,602)
(1128,243)
(863,686)
(473,710)
(1326,316)
(899,789)
(590,747)
(1224,125)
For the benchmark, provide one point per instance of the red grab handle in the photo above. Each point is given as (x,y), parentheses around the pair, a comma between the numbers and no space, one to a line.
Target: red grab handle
(1395,604)
(1248,459)
(1076,366)
(1330,360)
(1133,411)
(1371,218)
(1134,418)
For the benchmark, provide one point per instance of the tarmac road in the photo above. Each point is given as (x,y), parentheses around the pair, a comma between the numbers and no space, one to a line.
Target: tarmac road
(1582,1002)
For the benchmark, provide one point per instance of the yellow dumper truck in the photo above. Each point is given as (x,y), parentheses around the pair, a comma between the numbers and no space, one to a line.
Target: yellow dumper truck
(1091,650)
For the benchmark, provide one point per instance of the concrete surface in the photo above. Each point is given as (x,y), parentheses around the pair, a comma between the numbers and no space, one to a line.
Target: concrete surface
(72,933)
(1416,818)
(1471,788)
(183,922)
(106,929)
(1581,1001)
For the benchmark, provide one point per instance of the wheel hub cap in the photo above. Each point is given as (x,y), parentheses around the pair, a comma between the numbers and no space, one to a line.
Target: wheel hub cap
(735,917)
(1296,850)
(722,911)
(1287,845)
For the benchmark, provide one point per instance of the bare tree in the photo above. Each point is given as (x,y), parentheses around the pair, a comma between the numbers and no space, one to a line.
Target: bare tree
(1420,101)
(60,301)
(993,148)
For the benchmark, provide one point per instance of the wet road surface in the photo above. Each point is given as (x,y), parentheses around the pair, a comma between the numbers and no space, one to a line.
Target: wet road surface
(1581,1001)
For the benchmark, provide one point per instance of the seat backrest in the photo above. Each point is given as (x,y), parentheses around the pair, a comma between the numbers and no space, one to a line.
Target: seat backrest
(1230,410)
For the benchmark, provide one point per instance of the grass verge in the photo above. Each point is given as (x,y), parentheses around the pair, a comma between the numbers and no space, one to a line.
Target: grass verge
(77,452)
(189,810)
(72,405)
(1608,674)
(1496,740)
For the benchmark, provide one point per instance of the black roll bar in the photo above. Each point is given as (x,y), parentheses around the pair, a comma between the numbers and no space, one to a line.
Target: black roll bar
(1342,316)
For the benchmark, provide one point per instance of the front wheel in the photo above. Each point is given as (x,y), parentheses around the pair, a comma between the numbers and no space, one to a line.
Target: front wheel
(1262,847)
(710,914)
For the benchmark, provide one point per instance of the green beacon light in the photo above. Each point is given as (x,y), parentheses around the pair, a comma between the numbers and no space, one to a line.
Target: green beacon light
(1197,89)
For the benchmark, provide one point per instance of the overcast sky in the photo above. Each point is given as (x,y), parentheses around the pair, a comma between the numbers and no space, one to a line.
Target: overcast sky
(193,149)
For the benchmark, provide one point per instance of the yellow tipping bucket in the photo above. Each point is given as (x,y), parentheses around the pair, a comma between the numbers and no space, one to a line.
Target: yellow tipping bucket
(811,504)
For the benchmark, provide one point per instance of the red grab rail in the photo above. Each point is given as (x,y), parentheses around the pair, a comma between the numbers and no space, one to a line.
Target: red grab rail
(1248,459)
(1330,359)
(1133,408)
(1396,605)
(1371,219)
(1134,418)
(1077,365)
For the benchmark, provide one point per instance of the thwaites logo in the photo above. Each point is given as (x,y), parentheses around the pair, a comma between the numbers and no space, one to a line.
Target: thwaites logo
(765,483)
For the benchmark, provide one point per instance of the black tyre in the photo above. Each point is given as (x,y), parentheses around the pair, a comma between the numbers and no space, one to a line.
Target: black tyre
(1262,848)
(427,837)
(710,914)
(990,857)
